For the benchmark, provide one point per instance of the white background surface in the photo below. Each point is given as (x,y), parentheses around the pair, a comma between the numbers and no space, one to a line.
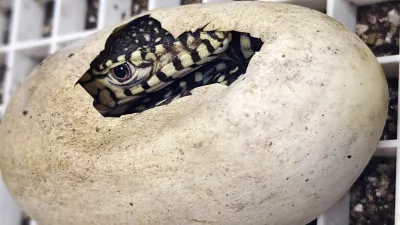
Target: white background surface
(26,48)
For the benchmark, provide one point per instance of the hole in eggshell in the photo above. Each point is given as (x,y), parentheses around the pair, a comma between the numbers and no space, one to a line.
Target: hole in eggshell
(143,66)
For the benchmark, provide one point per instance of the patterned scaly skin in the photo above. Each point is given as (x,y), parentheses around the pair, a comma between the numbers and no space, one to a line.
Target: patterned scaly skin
(144,66)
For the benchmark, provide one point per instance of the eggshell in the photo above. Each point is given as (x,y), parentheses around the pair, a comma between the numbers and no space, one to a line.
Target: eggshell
(279,146)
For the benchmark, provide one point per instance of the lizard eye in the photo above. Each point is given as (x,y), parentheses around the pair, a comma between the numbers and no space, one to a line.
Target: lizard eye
(123,72)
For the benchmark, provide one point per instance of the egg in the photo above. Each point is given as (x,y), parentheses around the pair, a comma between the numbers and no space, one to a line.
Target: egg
(279,146)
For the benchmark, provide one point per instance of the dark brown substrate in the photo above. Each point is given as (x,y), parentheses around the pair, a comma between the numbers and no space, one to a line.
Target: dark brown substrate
(372,197)
(378,26)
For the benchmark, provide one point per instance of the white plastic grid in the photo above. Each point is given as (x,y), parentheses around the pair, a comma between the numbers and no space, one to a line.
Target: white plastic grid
(27,46)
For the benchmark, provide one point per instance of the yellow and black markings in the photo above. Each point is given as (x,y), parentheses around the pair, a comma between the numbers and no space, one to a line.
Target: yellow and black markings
(144,66)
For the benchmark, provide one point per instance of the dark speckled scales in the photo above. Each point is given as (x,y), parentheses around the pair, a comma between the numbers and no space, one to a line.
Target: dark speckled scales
(130,37)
